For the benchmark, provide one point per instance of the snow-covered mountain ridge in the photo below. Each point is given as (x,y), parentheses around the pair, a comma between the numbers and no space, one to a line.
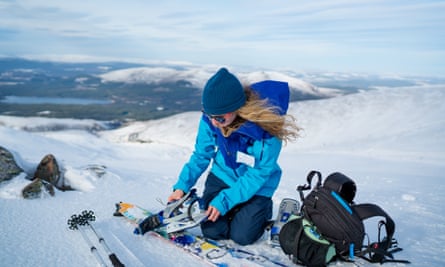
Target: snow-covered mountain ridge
(198,76)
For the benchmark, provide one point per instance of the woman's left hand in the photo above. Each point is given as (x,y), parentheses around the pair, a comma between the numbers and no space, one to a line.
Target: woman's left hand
(212,214)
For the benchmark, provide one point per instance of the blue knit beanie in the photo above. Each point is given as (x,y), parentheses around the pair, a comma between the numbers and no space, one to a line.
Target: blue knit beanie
(223,93)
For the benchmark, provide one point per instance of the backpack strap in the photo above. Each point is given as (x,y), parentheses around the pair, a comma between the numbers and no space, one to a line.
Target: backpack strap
(378,250)
(308,186)
(365,211)
(298,237)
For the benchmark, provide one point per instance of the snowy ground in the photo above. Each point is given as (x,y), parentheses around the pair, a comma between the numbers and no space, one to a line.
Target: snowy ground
(390,141)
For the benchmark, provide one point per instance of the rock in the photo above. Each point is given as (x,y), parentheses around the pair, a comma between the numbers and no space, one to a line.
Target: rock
(8,166)
(46,176)
(34,189)
(48,170)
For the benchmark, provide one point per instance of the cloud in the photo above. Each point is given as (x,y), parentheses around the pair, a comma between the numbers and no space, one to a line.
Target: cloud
(229,32)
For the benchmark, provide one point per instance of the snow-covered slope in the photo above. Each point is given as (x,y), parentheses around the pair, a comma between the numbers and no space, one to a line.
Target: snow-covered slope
(295,84)
(198,76)
(390,141)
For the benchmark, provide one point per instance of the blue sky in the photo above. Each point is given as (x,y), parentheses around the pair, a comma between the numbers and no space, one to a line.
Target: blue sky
(388,36)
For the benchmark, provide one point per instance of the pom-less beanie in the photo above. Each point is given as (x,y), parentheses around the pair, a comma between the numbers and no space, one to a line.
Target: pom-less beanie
(223,93)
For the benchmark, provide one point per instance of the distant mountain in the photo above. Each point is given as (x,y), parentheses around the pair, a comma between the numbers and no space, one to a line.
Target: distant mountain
(52,68)
(136,91)
(296,85)
(197,77)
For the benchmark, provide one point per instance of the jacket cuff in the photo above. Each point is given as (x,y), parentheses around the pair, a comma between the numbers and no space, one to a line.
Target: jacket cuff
(220,203)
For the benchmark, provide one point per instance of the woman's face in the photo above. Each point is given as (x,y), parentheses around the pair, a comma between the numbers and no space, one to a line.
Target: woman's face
(223,120)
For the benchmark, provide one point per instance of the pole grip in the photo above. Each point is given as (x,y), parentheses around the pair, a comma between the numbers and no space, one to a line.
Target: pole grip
(115,261)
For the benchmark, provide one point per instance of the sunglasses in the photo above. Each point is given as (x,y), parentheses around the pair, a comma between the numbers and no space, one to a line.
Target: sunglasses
(218,118)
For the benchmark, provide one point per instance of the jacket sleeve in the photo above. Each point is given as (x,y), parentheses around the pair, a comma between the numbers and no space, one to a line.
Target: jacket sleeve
(204,152)
(265,172)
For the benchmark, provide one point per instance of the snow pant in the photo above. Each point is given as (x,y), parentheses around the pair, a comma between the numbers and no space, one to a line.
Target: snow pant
(244,224)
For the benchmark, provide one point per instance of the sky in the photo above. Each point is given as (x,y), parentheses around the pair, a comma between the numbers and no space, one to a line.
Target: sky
(373,36)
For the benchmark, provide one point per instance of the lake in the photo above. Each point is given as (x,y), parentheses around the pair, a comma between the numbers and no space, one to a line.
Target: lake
(53,100)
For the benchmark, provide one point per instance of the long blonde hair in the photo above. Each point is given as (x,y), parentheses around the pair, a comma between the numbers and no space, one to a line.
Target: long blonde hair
(260,112)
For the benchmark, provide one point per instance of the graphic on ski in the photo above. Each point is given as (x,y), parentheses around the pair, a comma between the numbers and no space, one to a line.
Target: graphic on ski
(215,252)
(199,248)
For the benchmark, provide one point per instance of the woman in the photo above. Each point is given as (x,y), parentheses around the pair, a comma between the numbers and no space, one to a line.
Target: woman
(241,136)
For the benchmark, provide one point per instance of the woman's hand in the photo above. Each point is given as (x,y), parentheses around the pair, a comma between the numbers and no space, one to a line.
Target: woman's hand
(212,214)
(176,195)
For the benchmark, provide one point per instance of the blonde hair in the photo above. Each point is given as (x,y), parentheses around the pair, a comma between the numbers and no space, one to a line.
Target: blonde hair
(260,112)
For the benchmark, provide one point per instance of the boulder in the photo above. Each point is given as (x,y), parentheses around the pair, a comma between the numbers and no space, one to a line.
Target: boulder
(48,170)
(36,188)
(46,176)
(8,167)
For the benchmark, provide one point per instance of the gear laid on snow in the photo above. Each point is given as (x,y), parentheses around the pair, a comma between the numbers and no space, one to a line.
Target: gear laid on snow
(150,223)
(77,221)
(178,215)
(288,207)
(332,225)
(210,251)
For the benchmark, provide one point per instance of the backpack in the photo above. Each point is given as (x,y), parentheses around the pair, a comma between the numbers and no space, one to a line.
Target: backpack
(300,238)
(331,209)
(277,93)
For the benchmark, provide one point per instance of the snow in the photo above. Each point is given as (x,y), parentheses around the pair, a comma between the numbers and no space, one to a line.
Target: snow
(198,75)
(294,83)
(391,141)
(157,75)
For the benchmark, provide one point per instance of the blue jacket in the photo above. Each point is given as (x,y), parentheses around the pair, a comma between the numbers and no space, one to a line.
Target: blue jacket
(246,161)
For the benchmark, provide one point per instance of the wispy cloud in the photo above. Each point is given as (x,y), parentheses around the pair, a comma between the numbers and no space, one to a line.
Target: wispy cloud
(312,34)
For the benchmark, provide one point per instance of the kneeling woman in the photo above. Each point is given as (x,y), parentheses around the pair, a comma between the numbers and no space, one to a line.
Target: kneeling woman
(241,135)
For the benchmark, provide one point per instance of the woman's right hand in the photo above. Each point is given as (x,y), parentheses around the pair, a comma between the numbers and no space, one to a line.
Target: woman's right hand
(176,195)
(212,214)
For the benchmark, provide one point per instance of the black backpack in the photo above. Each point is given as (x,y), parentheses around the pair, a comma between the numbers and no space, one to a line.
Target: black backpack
(300,239)
(330,208)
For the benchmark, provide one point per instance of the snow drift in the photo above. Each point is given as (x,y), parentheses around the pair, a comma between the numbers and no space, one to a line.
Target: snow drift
(390,141)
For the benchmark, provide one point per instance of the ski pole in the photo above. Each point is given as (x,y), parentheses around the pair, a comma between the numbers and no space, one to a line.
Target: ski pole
(73,224)
(88,216)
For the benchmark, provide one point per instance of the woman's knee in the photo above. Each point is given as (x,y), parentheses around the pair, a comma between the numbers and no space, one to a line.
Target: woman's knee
(245,237)
(215,230)
(248,223)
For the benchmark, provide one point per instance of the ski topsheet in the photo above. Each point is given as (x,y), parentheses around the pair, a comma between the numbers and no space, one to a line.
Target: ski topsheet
(215,253)
(200,248)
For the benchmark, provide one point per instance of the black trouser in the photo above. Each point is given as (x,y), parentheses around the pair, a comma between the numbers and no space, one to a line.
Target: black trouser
(244,224)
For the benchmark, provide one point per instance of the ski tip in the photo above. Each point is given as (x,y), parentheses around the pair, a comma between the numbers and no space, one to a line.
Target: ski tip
(118,212)
(122,207)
